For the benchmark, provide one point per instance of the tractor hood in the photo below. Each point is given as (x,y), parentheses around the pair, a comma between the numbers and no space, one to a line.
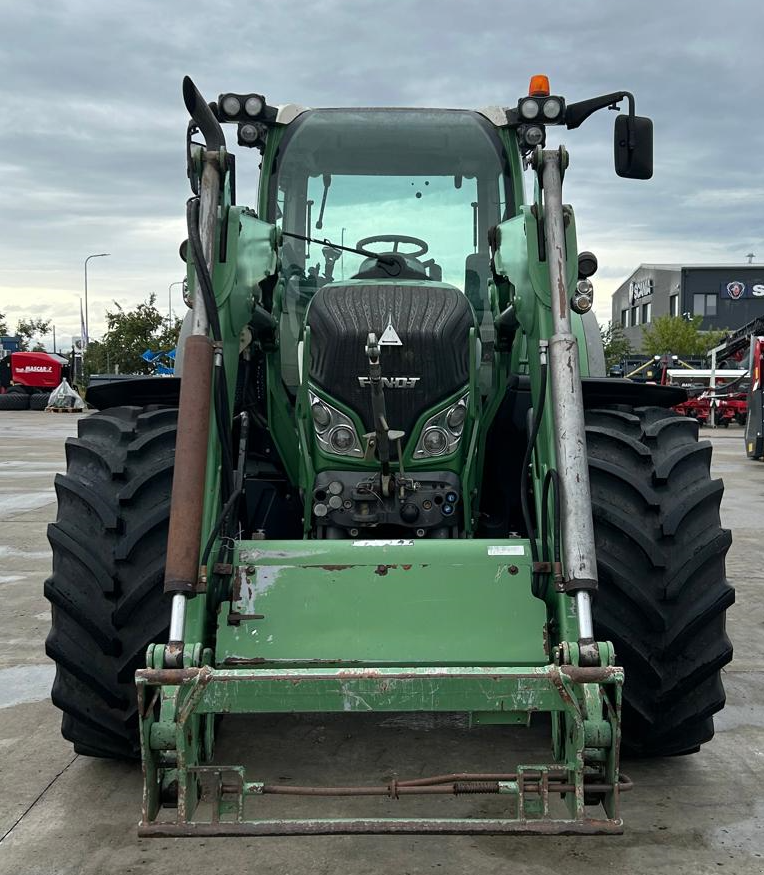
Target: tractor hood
(423,330)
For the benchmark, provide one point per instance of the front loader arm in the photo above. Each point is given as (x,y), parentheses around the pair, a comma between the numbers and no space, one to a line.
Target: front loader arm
(536,254)
(230,252)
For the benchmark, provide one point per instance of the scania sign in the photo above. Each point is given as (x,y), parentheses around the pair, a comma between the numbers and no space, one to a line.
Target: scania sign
(736,289)
(639,289)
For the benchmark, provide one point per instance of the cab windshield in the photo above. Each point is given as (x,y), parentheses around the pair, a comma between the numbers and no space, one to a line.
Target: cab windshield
(348,175)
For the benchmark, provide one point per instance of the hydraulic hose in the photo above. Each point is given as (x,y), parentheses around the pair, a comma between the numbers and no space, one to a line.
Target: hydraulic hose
(222,410)
(524,502)
(551,479)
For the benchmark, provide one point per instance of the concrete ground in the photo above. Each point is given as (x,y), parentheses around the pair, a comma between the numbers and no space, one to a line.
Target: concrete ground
(63,814)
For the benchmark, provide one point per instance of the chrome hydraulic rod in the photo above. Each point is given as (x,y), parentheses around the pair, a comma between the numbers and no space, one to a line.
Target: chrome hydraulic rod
(567,401)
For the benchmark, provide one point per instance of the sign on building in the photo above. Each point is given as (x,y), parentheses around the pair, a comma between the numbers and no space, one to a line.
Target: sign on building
(736,289)
(639,289)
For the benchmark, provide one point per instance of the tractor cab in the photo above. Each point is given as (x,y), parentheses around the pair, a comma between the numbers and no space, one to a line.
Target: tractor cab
(385,304)
(406,197)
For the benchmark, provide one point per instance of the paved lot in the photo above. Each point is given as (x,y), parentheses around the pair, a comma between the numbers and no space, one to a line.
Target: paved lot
(64,814)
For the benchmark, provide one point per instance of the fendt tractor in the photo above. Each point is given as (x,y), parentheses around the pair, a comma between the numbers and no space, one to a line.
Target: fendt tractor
(392,478)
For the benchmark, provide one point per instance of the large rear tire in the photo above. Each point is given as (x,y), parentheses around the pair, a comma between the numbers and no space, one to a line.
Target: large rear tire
(109,543)
(663,591)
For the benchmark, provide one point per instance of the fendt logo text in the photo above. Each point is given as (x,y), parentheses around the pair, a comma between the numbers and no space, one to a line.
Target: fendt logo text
(392,382)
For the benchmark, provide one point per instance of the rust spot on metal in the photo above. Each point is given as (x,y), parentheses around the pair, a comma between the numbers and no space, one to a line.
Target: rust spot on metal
(235,618)
(241,660)
(561,291)
(222,568)
(513,569)
(382,570)
(331,567)
(408,567)
(362,673)
(173,654)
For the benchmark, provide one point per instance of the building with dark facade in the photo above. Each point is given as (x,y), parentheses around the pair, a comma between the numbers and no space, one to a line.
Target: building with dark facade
(725,295)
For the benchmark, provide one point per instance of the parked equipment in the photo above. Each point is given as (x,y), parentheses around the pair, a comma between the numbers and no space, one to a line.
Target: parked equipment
(34,371)
(745,347)
(403,482)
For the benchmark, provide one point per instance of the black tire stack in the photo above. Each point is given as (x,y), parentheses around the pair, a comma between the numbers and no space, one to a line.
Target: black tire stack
(39,401)
(661,561)
(16,398)
(109,543)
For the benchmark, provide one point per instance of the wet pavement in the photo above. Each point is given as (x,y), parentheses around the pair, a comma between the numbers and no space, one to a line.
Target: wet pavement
(61,814)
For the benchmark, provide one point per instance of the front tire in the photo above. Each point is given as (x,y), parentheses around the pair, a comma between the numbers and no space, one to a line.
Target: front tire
(662,591)
(106,594)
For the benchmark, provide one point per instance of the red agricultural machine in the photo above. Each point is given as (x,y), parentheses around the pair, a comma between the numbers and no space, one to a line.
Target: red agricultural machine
(28,378)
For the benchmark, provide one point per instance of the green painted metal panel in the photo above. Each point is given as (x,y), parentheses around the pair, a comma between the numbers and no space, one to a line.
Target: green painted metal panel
(460,602)
(504,689)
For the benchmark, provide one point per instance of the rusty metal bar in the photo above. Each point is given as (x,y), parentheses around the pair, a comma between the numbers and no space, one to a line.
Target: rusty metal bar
(173,676)
(184,537)
(384,826)
(453,785)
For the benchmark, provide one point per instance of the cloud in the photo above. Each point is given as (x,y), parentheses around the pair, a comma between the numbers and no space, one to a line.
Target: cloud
(92,123)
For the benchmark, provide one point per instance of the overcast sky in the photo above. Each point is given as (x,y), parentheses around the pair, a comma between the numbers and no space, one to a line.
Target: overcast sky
(92,121)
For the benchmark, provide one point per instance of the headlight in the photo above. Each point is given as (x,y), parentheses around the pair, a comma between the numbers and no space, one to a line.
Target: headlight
(231,105)
(250,133)
(253,105)
(529,108)
(534,135)
(552,108)
(335,432)
(443,431)
(341,438)
(456,417)
(435,441)
(321,414)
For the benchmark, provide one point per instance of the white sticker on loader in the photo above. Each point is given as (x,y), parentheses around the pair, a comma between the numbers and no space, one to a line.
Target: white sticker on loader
(509,550)
(383,543)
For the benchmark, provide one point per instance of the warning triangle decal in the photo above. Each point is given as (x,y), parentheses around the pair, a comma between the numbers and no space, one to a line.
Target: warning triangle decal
(390,337)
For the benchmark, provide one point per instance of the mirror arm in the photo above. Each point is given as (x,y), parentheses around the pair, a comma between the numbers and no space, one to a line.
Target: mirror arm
(577,113)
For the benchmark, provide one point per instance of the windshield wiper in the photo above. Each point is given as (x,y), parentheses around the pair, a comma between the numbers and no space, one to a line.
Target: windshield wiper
(325,242)
(327,183)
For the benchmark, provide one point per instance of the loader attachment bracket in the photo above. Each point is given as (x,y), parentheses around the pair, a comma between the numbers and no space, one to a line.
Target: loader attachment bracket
(186,796)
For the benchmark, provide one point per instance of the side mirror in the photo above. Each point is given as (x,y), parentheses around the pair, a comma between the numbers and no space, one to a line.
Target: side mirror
(633,147)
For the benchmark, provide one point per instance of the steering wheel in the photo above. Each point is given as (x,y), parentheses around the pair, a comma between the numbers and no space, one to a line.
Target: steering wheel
(396,239)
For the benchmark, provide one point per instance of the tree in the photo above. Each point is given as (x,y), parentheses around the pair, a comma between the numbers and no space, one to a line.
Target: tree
(29,332)
(617,345)
(129,334)
(3,326)
(679,336)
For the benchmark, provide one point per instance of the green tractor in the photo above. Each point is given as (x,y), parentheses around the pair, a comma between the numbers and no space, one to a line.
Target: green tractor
(391,477)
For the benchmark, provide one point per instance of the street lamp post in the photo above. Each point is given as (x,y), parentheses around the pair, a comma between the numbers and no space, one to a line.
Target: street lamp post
(169,299)
(87,326)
